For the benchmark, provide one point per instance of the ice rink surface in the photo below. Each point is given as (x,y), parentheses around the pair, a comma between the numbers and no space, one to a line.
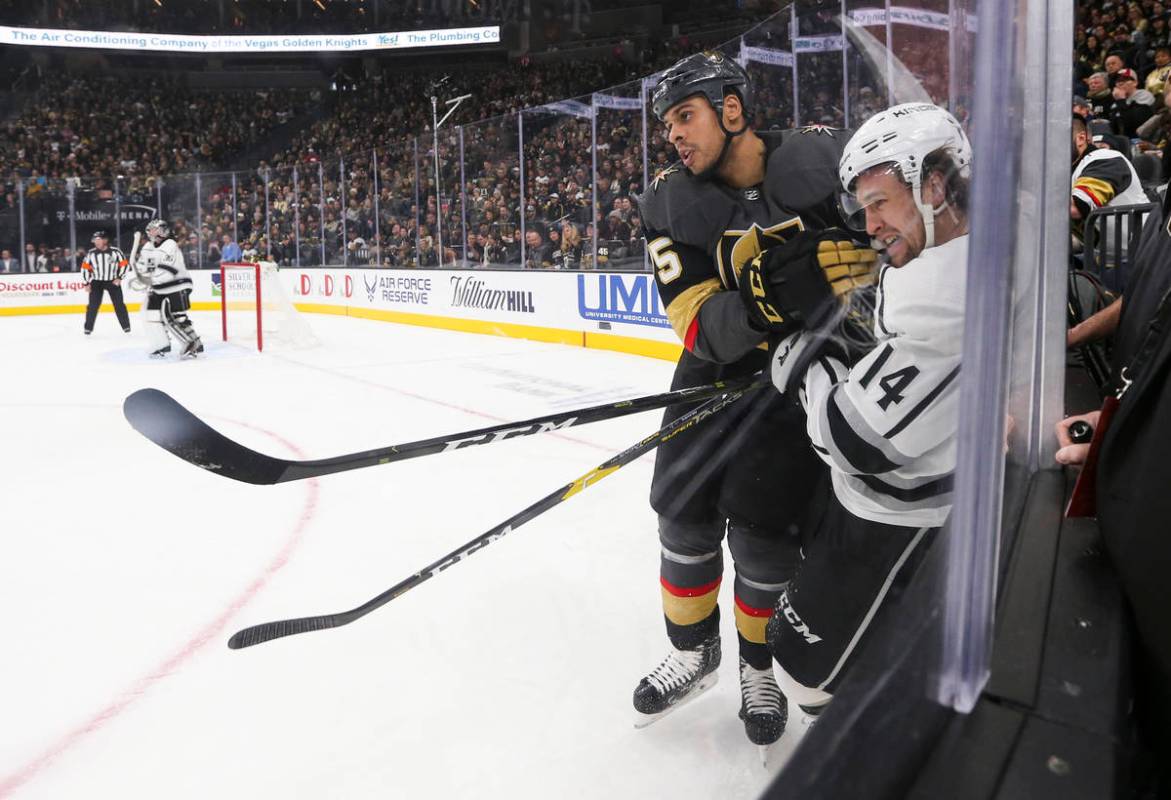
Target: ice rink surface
(123,571)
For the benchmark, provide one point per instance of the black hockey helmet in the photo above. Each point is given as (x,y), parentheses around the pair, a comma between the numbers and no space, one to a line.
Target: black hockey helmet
(100,235)
(710,73)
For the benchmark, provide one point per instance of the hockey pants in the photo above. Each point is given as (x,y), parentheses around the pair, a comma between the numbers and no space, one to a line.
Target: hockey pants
(853,571)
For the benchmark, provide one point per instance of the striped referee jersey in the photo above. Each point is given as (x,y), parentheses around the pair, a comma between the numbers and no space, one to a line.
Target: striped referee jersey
(104,265)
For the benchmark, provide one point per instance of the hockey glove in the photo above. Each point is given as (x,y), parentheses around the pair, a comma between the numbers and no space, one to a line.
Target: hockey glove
(796,354)
(797,282)
(843,342)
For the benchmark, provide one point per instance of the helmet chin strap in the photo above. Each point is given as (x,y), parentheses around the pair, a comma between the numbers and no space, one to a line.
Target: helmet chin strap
(927,212)
(711,171)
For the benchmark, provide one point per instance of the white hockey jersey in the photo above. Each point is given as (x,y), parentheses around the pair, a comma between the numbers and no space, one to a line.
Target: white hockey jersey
(163,267)
(887,427)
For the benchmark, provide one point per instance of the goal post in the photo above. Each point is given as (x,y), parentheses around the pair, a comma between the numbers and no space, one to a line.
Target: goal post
(256,307)
(235,278)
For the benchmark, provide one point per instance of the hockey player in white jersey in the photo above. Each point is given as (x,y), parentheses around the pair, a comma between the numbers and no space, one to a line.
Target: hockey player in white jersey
(885,425)
(161,267)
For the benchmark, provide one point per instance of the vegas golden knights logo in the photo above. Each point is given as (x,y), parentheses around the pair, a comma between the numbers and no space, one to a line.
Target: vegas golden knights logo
(737,248)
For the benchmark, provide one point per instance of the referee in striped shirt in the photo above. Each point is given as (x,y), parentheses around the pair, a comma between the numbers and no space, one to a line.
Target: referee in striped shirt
(102,271)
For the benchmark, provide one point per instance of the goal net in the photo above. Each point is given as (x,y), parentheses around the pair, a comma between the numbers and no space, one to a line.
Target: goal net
(256,308)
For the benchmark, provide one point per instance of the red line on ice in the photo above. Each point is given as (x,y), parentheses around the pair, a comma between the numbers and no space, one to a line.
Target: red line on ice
(210,631)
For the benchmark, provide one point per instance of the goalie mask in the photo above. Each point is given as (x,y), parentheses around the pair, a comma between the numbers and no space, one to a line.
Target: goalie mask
(157,230)
(904,138)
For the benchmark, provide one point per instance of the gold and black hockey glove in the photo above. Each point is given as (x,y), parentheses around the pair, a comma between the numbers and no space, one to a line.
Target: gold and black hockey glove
(796,283)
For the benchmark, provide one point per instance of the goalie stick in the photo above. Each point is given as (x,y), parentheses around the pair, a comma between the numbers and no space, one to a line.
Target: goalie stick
(160,418)
(258,634)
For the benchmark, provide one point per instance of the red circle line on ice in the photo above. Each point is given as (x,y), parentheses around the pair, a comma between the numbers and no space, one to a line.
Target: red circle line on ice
(208,634)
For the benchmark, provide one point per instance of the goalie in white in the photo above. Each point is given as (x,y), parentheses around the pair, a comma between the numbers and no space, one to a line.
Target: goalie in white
(160,266)
(886,426)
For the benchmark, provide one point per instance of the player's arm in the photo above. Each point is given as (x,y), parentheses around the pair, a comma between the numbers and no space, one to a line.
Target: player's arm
(1100,182)
(897,403)
(709,320)
(168,261)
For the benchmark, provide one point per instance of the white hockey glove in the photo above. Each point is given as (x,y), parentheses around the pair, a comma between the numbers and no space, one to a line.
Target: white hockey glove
(787,359)
(796,354)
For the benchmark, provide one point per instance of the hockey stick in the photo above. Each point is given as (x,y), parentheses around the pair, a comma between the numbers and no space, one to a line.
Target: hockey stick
(258,634)
(160,418)
(138,281)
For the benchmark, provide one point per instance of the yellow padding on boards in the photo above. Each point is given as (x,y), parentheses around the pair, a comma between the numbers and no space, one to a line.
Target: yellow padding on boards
(20,311)
(689,610)
(750,627)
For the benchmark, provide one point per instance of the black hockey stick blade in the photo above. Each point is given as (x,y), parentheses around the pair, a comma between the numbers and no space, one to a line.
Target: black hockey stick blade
(267,631)
(160,418)
(163,420)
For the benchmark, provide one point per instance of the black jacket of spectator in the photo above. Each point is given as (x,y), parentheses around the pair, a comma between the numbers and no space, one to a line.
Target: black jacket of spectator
(1127,116)
(539,257)
(1134,506)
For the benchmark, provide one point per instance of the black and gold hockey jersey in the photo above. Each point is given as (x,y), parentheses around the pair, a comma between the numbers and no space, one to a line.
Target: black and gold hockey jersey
(699,236)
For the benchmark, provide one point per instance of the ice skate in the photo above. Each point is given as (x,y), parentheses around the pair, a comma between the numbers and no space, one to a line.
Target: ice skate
(682,676)
(762,707)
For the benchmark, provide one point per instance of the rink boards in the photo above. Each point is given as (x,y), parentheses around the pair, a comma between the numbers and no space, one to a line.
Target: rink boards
(606,310)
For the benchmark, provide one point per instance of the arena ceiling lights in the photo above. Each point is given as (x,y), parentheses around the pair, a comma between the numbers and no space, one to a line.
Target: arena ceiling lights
(179,43)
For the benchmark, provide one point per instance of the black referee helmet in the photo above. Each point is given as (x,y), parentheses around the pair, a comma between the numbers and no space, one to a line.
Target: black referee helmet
(99,235)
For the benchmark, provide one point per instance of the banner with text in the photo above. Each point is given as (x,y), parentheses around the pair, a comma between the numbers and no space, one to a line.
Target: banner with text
(179,43)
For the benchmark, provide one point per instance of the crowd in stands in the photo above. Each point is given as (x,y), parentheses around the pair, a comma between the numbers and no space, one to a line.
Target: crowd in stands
(1122,69)
(106,125)
(359,186)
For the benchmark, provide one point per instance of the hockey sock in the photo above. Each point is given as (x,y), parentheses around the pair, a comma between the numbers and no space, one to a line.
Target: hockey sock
(754,606)
(690,588)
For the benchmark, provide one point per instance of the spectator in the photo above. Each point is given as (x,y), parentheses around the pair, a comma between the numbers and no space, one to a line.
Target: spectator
(1081,108)
(1158,76)
(230,251)
(1100,98)
(1114,62)
(1156,131)
(1132,106)
(428,257)
(568,256)
(34,262)
(7,262)
(538,253)
(1132,504)
(473,251)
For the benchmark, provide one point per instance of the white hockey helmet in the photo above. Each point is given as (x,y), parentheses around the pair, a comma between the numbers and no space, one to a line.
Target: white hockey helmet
(903,136)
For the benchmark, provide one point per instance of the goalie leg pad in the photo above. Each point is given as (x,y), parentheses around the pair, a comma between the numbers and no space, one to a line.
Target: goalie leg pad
(175,318)
(156,329)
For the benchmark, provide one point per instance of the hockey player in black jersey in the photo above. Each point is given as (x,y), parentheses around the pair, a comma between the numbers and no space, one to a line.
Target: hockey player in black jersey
(748,473)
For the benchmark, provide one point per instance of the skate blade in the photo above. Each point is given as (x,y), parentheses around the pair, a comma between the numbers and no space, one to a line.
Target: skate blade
(706,682)
(774,756)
